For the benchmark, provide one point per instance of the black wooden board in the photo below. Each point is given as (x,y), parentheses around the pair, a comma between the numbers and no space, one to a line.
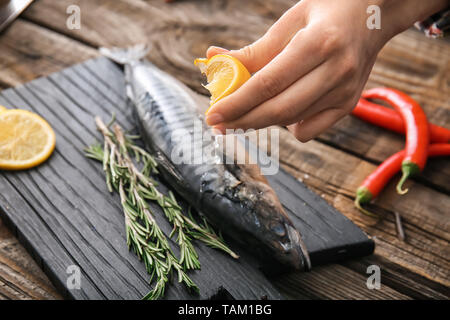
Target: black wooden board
(64,215)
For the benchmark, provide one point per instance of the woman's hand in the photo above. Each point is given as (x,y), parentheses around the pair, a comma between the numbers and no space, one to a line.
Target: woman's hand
(312,64)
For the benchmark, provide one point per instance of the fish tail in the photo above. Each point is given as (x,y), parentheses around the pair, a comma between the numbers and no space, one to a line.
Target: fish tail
(127,55)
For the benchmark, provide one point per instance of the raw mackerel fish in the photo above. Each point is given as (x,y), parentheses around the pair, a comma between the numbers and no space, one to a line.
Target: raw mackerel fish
(235,198)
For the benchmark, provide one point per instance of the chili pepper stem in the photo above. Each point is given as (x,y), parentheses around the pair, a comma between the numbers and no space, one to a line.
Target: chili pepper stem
(363,195)
(409,169)
(364,211)
(404,177)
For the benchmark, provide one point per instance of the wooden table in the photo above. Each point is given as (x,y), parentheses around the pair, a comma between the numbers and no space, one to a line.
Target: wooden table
(333,165)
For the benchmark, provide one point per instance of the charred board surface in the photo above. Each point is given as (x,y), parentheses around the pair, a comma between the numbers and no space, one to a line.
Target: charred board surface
(65,216)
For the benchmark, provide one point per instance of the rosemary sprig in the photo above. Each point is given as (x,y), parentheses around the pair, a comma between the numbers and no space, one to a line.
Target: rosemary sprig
(144,236)
(145,188)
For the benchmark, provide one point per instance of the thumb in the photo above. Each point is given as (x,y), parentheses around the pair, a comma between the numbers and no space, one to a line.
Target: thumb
(256,55)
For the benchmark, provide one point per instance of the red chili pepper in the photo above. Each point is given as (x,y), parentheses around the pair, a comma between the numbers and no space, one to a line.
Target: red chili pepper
(417,130)
(377,180)
(391,120)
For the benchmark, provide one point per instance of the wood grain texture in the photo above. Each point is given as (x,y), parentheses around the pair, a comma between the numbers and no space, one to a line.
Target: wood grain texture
(350,285)
(182,31)
(20,276)
(29,51)
(424,211)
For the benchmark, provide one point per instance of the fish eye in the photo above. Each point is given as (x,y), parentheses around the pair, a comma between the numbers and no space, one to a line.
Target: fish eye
(278,229)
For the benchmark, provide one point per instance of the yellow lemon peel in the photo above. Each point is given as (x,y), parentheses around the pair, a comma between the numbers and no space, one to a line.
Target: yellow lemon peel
(26,139)
(224,73)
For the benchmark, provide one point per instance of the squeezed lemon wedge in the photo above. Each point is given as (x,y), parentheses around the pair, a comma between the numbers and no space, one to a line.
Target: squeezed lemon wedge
(26,139)
(224,73)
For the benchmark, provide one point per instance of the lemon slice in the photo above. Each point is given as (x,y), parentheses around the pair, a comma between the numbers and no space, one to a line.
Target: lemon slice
(2,108)
(26,140)
(224,73)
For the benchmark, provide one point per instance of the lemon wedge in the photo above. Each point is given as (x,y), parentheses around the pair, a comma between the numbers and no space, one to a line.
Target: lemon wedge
(26,140)
(224,74)
(2,108)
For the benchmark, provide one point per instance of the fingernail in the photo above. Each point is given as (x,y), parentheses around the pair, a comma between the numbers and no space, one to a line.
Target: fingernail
(219,49)
(219,129)
(214,118)
(215,50)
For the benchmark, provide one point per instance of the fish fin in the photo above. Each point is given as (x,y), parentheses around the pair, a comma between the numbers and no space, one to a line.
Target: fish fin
(167,165)
(295,237)
(127,55)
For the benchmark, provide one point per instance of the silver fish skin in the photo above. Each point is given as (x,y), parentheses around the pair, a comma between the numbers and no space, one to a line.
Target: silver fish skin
(235,198)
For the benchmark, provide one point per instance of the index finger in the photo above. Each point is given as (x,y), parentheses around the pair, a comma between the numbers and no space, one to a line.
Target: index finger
(297,59)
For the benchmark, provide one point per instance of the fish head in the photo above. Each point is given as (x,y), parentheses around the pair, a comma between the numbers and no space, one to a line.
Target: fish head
(271,231)
(281,237)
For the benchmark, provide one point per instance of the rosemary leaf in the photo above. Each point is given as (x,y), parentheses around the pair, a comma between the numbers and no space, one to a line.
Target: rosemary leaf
(143,235)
